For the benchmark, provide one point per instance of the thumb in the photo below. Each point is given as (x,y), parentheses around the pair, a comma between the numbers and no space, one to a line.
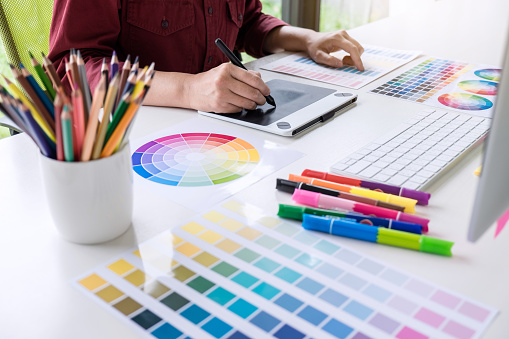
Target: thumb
(326,59)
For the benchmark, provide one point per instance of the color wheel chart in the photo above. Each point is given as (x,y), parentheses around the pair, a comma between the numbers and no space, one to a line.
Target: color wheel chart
(199,162)
(236,272)
(195,159)
(446,84)
(377,62)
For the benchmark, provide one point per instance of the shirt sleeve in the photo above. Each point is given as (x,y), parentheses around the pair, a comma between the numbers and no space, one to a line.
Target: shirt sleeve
(255,28)
(92,26)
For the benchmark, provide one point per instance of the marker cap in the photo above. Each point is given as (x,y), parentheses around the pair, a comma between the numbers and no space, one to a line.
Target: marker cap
(436,246)
(421,197)
(291,212)
(305,197)
(415,220)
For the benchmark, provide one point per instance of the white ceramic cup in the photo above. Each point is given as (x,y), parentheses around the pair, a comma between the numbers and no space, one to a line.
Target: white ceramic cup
(92,201)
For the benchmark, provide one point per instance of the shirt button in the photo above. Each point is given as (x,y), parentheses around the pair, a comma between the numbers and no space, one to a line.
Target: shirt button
(164,24)
(209,60)
(240,17)
(211,10)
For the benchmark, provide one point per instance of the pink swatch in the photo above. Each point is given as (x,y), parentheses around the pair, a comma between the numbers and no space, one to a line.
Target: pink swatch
(501,222)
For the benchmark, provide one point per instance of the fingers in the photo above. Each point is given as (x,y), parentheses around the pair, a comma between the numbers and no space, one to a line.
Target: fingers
(355,53)
(247,77)
(325,58)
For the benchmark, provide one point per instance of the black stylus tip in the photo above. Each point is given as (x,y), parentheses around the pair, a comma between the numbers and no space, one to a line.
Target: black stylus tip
(270,100)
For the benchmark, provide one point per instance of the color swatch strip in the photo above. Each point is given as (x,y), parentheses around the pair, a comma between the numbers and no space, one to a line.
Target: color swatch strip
(377,62)
(194,159)
(235,271)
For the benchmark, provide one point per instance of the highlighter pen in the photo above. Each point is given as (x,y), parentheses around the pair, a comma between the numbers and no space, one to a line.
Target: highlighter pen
(379,235)
(229,54)
(408,203)
(297,212)
(332,203)
(289,186)
(421,197)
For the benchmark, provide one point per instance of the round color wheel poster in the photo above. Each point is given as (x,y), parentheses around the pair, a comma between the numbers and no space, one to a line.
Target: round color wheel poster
(489,74)
(195,159)
(482,87)
(469,102)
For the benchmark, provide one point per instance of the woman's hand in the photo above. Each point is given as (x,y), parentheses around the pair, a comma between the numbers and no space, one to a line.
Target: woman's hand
(320,45)
(226,89)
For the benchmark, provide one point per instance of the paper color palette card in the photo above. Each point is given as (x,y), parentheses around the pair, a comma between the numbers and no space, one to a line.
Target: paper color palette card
(377,61)
(447,84)
(199,163)
(236,272)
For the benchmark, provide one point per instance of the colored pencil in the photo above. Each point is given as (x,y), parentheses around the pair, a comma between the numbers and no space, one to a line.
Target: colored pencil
(43,77)
(123,78)
(113,65)
(118,133)
(41,95)
(58,126)
(36,131)
(68,73)
(119,113)
(67,134)
(73,66)
(51,72)
(103,126)
(93,120)
(78,119)
(11,113)
(85,88)
(16,93)
(105,71)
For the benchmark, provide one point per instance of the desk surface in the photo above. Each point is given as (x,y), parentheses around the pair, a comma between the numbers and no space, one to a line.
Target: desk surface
(36,299)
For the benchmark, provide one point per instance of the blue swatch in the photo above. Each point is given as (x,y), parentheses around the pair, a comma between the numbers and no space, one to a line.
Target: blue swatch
(326,247)
(377,293)
(287,251)
(146,319)
(312,315)
(288,275)
(337,329)
(358,310)
(217,327)
(244,279)
(238,335)
(348,256)
(265,321)
(265,290)
(221,296)
(330,271)
(286,332)
(166,331)
(370,266)
(333,297)
(242,308)
(309,285)
(288,302)
(308,261)
(195,314)
(266,264)
(306,238)
(353,281)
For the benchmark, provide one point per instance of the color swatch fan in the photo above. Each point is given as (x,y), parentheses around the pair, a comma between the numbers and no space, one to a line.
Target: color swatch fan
(199,163)
(195,159)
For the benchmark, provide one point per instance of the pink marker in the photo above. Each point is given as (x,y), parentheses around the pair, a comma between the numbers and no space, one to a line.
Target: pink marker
(319,200)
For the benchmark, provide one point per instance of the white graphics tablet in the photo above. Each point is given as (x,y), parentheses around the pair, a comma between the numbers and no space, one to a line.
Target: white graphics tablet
(298,107)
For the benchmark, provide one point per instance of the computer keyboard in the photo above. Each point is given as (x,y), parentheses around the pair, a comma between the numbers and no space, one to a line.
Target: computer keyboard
(418,150)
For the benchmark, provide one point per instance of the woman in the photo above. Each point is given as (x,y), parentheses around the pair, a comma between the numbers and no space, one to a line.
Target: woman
(179,35)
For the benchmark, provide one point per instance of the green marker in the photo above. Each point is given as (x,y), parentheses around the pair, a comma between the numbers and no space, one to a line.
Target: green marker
(379,235)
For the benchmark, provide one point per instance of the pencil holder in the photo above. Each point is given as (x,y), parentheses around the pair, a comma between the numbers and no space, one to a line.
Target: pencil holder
(91,201)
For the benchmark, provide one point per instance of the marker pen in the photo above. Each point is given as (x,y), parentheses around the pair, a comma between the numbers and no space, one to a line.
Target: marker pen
(379,235)
(325,201)
(297,212)
(421,197)
(289,186)
(408,203)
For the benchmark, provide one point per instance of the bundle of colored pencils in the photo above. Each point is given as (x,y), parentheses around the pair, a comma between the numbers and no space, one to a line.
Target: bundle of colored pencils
(67,126)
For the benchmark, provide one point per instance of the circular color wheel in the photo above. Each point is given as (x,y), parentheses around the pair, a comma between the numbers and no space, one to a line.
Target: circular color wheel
(482,87)
(469,102)
(489,74)
(195,159)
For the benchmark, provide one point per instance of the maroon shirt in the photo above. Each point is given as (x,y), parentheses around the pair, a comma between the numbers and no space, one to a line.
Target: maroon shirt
(178,35)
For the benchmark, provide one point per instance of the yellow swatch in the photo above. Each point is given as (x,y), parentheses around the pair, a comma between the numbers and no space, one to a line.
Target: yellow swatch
(214,216)
(228,246)
(92,282)
(120,267)
(249,233)
(188,249)
(231,224)
(193,228)
(137,278)
(206,259)
(210,236)
(269,222)
(109,293)
(233,205)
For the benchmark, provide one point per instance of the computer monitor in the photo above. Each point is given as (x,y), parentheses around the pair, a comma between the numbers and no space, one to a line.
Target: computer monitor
(492,197)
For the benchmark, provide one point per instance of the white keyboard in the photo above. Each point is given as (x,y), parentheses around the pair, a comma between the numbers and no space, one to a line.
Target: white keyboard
(418,150)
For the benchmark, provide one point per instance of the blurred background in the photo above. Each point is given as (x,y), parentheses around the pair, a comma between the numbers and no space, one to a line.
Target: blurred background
(322,15)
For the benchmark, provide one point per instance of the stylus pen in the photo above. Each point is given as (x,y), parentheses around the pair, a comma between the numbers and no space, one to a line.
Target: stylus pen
(229,54)
(350,229)
(289,186)
(297,213)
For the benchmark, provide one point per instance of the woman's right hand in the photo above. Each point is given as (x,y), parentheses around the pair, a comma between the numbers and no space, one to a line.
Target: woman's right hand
(226,89)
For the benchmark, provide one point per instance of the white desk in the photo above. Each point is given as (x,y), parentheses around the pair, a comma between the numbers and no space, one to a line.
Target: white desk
(36,264)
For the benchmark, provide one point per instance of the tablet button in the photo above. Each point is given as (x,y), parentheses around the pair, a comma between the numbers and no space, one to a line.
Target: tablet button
(343,94)
(283,125)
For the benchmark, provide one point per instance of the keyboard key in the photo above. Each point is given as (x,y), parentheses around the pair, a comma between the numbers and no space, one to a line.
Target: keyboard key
(370,171)
(397,180)
(358,166)
(412,185)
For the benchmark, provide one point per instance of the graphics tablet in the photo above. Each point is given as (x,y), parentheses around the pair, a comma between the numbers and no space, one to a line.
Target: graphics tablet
(299,107)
